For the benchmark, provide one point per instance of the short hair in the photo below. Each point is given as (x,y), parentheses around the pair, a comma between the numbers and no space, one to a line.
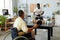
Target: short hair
(20,12)
(38,4)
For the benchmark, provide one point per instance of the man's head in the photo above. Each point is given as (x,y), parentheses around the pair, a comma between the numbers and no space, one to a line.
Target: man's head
(21,13)
(38,5)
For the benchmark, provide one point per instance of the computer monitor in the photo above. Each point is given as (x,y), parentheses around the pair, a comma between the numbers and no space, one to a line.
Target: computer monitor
(5,12)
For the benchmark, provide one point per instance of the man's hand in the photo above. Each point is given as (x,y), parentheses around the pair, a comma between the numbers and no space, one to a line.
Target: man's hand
(35,21)
(29,30)
(35,26)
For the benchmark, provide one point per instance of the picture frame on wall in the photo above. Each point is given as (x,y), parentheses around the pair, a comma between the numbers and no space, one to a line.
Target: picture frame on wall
(32,7)
(46,5)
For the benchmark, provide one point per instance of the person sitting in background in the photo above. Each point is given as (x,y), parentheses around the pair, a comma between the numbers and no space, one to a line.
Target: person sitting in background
(20,25)
(38,13)
(38,10)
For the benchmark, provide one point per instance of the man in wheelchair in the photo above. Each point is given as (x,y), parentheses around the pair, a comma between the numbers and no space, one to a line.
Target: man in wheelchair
(20,28)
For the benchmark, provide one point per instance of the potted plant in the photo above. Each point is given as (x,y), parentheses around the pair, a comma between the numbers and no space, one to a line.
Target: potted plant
(15,10)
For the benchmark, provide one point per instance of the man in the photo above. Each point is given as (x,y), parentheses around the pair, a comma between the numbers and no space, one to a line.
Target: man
(38,10)
(20,24)
(38,13)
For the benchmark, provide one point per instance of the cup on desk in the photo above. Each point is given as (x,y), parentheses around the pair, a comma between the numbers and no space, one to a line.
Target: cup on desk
(47,22)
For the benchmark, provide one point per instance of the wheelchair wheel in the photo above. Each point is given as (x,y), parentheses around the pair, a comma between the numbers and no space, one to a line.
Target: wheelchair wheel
(21,38)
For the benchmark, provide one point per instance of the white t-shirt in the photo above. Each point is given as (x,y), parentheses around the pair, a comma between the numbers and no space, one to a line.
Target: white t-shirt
(38,11)
(20,25)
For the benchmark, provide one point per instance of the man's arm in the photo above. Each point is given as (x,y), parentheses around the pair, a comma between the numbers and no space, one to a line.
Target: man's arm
(30,29)
(26,29)
(35,26)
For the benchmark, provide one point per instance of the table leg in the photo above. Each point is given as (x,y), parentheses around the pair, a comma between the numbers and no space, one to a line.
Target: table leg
(35,31)
(51,31)
(49,34)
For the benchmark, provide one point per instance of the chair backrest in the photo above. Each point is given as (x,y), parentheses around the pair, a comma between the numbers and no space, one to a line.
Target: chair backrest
(2,19)
(21,38)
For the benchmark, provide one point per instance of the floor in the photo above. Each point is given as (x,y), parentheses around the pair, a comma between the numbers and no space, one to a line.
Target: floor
(41,34)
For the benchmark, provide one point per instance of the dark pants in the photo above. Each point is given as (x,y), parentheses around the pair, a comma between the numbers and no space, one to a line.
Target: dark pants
(14,33)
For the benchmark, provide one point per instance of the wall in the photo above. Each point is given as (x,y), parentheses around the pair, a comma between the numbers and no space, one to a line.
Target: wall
(22,5)
(19,2)
(6,4)
(47,10)
(14,3)
(1,6)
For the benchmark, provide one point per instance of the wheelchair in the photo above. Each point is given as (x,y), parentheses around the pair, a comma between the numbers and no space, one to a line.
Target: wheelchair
(21,35)
(21,38)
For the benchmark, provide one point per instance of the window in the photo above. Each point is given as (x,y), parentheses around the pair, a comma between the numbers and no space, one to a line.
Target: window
(6,4)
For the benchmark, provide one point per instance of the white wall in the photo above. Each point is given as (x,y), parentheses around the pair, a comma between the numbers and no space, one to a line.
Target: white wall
(47,10)
(22,4)
(6,4)
(1,6)
(14,3)
(19,2)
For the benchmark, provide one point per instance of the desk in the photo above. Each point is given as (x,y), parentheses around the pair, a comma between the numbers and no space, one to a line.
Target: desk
(8,22)
(48,27)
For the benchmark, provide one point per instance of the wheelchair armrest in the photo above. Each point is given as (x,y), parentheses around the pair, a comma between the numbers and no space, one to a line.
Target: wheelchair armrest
(21,33)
